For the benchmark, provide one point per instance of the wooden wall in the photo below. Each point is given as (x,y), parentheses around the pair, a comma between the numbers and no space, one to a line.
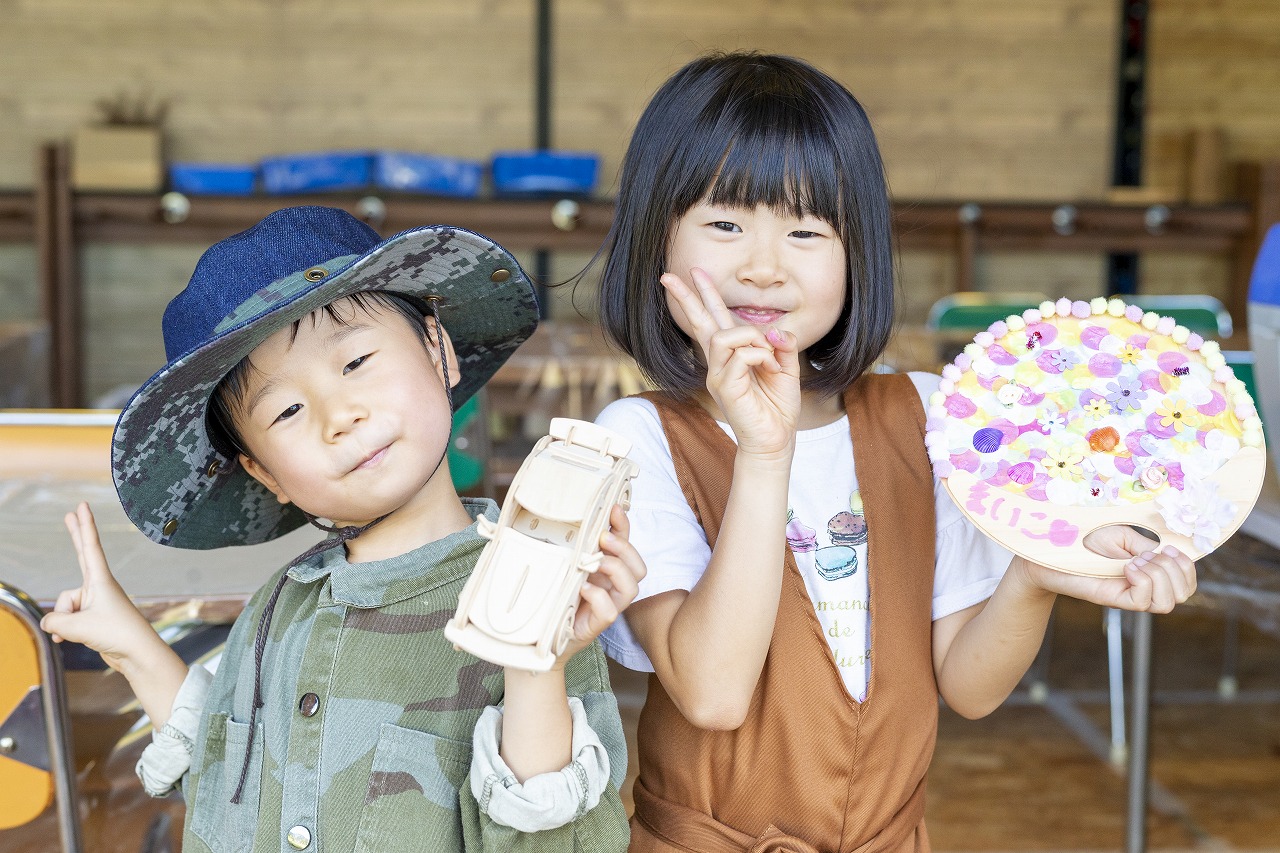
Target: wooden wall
(972,99)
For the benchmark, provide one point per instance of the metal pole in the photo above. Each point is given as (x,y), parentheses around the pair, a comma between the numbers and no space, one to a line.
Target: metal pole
(1139,742)
(542,135)
(1123,271)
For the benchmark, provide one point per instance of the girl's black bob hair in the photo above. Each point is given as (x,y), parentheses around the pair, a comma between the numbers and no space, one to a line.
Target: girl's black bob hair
(746,129)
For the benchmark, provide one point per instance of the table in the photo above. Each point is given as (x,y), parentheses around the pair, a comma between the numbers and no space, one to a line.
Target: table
(50,463)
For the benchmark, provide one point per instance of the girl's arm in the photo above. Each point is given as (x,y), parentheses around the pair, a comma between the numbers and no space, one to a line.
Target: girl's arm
(708,645)
(981,653)
(100,615)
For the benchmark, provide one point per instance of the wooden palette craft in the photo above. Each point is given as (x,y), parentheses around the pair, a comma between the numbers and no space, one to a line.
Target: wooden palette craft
(1079,415)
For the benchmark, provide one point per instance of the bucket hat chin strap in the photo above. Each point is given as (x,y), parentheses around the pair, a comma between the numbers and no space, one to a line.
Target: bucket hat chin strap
(340,536)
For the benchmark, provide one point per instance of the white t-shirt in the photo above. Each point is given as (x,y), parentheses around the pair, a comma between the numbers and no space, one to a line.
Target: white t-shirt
(826,531)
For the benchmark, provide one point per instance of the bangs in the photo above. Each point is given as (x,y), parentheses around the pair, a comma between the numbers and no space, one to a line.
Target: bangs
(792,173)
(765,150)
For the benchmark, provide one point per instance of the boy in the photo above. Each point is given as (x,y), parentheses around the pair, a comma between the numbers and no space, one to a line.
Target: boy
(312,374)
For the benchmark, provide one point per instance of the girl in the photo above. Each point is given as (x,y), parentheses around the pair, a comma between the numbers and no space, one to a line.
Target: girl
(811,588)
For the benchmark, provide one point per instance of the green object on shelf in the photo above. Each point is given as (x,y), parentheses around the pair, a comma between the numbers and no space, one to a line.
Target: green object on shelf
(466,469)
(972,311)
(1204,315)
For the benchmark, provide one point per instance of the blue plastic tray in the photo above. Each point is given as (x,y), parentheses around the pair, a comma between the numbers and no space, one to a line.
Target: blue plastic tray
(313,172)
(544,172)
(213,178)
(427,173)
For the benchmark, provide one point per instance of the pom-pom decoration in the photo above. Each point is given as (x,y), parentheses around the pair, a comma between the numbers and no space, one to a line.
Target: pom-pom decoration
(1080,415)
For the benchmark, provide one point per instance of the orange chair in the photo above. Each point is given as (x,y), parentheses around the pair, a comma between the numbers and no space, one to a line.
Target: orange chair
(36,761)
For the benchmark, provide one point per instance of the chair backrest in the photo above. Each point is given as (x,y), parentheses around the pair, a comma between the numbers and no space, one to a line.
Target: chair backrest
(1202,314)
(974,311)
(36,762)
(26,785)
(1264,331)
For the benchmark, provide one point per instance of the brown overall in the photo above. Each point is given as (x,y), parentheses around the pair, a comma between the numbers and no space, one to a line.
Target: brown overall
(810,769)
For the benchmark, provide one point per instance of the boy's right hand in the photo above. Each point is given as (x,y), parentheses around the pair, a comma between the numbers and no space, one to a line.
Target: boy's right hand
(98,614)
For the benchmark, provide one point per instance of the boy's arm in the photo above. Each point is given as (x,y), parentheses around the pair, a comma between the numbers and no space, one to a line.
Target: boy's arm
(547,766)
(574,808)
(981,653)
(100,615)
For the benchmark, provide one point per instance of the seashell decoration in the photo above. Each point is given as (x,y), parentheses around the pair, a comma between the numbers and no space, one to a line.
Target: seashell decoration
(987,440)
(1104,440)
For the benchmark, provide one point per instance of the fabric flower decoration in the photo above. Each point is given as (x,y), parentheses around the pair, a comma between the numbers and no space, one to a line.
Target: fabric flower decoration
(1064,359)
(1126,392)
(1197,511)
(1063,462)
(1097,408)
(1051,420)
(1129,354)
(1178,414)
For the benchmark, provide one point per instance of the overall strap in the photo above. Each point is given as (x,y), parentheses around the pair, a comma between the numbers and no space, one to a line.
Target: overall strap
(810,762)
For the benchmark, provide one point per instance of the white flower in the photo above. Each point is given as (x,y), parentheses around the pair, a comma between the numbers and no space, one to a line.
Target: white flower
(1197,511)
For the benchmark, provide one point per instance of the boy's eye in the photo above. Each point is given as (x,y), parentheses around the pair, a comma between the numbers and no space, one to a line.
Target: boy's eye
(353,365)
(726,226)
(289,412)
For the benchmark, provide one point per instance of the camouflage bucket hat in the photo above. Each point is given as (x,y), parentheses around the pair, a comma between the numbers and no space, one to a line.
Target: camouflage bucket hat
(180,491)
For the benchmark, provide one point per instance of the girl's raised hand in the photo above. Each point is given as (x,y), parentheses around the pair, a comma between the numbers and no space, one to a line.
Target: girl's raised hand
(98,613)
(753,372)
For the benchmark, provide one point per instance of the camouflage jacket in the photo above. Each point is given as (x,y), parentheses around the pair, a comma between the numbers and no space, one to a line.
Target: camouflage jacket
(364,739)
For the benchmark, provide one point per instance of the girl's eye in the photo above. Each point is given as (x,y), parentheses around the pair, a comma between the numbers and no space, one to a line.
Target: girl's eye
(805,234)
(726,226)
(353,365)
(289,412)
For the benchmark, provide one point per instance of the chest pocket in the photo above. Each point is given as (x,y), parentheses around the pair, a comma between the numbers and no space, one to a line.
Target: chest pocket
(223,826)
(412,799)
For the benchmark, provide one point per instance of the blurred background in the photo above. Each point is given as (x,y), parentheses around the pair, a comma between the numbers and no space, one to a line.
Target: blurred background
(1034,149)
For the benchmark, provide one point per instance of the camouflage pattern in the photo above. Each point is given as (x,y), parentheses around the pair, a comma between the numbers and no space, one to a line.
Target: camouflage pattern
(179,491)
(383,764)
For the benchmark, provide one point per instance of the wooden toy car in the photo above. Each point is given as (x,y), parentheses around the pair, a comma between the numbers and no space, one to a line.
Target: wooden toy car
(517,608)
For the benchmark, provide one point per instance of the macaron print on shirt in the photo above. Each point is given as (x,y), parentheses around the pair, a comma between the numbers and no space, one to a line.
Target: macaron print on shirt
(826,532)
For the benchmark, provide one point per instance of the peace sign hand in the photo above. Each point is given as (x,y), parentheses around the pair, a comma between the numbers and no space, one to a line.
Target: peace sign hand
(753,372)
(98,614)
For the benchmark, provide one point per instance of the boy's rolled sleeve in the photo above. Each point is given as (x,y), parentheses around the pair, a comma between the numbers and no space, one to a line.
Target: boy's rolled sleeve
(168,757)
(547,800)
(588,812)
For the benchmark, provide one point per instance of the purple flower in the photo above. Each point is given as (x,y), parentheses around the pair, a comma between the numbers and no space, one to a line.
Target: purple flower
(1125,393)
(1064,359)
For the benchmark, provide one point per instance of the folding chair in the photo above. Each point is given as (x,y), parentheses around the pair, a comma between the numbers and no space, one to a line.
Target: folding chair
(1202,314)
(36,760)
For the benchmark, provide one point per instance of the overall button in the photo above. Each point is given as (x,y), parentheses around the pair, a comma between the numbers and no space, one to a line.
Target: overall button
(309,705)
(299,837)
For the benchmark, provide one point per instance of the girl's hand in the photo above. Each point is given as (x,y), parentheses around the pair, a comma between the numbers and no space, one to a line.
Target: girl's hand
(1153,581)
(610,589)
(98,613)
(753,372)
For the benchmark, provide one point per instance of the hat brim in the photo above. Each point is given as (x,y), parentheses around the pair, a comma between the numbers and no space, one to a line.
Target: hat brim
(179,491)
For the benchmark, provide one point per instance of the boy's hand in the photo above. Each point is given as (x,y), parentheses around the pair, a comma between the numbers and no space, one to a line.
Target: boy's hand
(610,589)
(1153,581)
(98,613)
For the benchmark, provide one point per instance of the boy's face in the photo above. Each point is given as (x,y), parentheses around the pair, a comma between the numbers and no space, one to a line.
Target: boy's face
(347,420)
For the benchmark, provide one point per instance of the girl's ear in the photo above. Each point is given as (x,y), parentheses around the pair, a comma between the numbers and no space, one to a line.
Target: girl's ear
(433,350)
(255,470)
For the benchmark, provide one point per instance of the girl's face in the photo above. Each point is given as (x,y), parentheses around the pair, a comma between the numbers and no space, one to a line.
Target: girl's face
(771,268)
